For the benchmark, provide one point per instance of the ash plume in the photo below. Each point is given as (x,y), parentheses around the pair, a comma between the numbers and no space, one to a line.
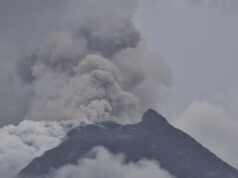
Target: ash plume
(95,68)
(84,61)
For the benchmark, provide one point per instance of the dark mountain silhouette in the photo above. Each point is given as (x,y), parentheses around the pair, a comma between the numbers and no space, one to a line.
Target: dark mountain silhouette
(152,138)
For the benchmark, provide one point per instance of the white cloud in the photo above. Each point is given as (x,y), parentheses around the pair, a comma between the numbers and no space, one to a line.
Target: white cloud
(107,165)
(20,144)
(210,125)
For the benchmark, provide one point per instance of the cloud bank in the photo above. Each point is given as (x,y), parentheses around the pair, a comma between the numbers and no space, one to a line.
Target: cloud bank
(30,139)
(107,165)
(211,125)
(20,144)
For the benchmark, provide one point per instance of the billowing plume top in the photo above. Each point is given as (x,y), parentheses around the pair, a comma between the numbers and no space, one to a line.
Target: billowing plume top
(95,68)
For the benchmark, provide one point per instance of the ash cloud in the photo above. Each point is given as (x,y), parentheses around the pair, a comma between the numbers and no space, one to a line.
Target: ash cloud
(85,61)
(20,34)
(95,68)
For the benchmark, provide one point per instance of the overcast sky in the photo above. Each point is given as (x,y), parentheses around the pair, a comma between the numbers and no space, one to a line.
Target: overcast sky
(197,38)
(199,41)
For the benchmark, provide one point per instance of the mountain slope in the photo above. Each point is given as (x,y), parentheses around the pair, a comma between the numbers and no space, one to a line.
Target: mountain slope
(152,138)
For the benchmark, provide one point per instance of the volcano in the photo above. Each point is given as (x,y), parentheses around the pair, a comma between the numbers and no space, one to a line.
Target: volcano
(153,138)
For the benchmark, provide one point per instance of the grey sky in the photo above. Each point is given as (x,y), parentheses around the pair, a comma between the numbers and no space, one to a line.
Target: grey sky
(199,41)
(197,38)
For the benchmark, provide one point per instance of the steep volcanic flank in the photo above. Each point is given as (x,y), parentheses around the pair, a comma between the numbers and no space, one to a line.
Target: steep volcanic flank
(152,138)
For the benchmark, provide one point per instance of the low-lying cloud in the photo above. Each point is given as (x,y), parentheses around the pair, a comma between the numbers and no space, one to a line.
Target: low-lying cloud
(20,144)
(210,125)
(103,164)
